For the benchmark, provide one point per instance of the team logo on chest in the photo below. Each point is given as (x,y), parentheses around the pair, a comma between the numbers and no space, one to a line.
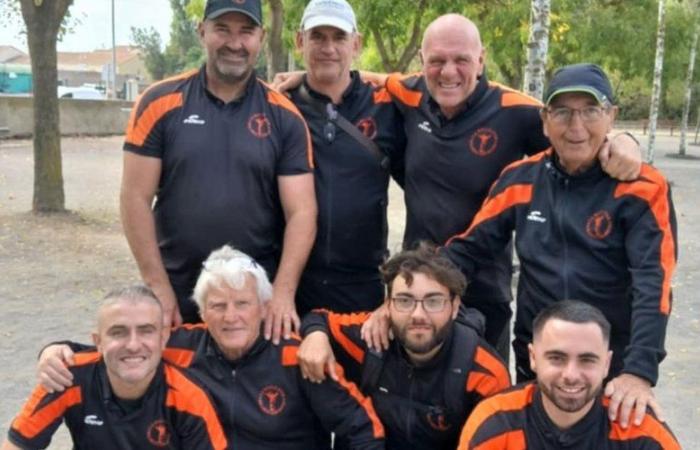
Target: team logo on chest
(368,127)
(272,400)
(483,142)
(599,225)
(259,125)
(158,433)
(436,419)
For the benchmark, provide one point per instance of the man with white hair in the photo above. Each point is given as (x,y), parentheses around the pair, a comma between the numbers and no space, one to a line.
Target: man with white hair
(261,398)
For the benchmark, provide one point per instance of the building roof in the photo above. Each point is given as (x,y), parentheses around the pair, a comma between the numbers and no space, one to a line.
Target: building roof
(9,54)
(92,61)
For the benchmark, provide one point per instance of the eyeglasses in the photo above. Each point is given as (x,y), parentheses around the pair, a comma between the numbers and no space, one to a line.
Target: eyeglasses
(562,115)
(431,304)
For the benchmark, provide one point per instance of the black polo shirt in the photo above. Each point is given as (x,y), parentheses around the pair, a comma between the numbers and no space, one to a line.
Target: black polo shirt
(351,187)
(174,413)
(451,163)
(220,163)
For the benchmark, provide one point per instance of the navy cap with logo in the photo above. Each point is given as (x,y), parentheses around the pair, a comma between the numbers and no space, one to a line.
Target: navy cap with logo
(587,78)
(251,8)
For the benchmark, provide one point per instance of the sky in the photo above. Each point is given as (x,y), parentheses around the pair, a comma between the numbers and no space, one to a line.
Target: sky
(95,28)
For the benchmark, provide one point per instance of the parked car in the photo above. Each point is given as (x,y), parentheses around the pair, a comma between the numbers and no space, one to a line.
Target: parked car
(81,93)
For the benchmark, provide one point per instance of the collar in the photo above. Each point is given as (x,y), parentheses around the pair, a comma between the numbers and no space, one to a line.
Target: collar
(212,349)
(482,86)
(355,82)
(574,437)
(250,83)
(593,173)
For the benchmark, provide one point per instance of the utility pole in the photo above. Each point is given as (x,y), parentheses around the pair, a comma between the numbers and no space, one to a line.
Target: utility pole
(114,57)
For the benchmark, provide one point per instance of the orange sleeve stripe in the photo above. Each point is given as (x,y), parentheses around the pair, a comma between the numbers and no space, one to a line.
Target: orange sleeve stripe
(336,321)
(31,422)
(364,402)
(139,127)
(487,384)
(511,440)
(650,428)
(289,355)
(83,359)
(187,397)
(517,194)
(403,94)
(509,401)
(656,196)
(178,356)
(382,96)
(275,98)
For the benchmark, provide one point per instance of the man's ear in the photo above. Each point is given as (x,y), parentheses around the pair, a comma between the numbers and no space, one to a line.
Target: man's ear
(543,116)
(608,361)
(456,302)
(200,31)
(96,339)
(531,353)
(299,41)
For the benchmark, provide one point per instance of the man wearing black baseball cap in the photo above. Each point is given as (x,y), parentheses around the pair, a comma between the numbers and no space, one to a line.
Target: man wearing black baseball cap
(581,234)
(231,162)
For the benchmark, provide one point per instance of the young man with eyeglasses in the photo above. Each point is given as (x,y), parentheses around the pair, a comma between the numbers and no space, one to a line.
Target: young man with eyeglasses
(435,371)
(580,233)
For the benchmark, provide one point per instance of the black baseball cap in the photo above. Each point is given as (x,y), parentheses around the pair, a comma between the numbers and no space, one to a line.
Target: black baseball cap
(251,8)
(587,78)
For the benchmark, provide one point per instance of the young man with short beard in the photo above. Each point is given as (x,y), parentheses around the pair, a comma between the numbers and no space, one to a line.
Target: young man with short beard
(435,370)
(564,407)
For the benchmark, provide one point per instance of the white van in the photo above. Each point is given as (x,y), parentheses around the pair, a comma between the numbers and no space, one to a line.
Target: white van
(81,93)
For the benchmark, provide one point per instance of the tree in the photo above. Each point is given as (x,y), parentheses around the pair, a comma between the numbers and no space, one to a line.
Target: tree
(537,48)
(44,20)
(658,70)
(689,85)
(148,40)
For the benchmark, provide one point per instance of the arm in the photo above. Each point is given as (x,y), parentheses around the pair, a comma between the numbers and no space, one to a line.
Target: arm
(286,81)
(488,375)
(139,184)
(299,204)
(651,247)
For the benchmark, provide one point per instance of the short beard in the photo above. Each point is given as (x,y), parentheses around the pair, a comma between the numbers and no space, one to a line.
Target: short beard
(231,77)
(425,347)
(570,406)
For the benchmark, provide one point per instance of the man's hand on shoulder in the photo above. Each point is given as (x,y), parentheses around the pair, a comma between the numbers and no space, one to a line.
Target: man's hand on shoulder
(621,157)
(52,369)
(281,318)
(629,392)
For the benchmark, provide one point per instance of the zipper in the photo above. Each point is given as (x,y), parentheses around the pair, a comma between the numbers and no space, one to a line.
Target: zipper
(565,264)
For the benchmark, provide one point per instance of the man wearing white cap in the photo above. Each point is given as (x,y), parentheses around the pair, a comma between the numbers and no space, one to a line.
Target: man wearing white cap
(357,143)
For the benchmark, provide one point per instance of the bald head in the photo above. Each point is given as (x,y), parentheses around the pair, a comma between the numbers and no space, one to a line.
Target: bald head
(453,61)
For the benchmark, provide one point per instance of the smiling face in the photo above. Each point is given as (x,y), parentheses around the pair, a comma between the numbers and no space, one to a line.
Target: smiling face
(571,360)
(453,61)
(577,141)
(328,53)
(233,317)
(232,42)
(130,336)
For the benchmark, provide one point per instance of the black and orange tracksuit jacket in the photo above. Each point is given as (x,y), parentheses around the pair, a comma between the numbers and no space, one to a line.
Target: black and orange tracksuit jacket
(174,413)
(588,237)
(517,420)
(411,401)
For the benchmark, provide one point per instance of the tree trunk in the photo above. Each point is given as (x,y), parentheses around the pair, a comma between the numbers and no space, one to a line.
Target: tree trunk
(395,63)
(537,46)
(688,90)
(656,90)
(43,20)
(276,53)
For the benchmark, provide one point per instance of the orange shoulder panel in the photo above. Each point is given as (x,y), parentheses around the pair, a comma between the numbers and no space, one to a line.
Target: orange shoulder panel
(336,321)
(178,356)
(85,358)
(364,402)
(653,189)
(650,428)
(537,157)
(289,355)
(32,421)
(382,96)
(516,194)
(185,396)
(512,97)
(139,127)
(402,93)
(275,98)
(487,384)
(511,440)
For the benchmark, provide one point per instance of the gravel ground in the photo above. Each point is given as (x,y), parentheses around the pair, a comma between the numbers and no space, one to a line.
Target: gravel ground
(55,267)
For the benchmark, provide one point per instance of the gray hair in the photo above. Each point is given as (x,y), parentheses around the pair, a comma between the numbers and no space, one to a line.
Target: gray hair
(230,266)
(134,294)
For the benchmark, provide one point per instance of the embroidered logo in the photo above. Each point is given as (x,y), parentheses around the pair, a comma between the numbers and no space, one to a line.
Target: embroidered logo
(158,433)
(536,216)
(368,127)
(194,120)
(483,142)
(599,225)
(425,126)
(92,419)
(436,419)
(259,125)
(272,400)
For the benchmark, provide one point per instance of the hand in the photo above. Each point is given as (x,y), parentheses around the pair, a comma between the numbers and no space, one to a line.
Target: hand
(376,331)
(168,301)
(315,355)
(629,391)
(286,81)
(281,318)
(621,158)
(52,369)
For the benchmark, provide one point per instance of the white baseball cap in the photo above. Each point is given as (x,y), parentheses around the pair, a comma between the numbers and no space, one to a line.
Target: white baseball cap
(332,13)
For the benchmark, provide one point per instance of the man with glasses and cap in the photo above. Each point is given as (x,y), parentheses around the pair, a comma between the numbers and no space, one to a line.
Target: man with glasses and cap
(227,160)
(581,234)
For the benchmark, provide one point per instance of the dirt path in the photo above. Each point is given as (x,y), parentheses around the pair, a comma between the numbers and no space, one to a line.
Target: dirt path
(54,268)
